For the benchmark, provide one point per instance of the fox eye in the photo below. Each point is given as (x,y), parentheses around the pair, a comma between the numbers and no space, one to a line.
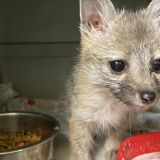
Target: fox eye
(117,65)
(156,65)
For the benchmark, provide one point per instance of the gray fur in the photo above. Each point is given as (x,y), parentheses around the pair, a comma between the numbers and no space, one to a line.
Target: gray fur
(102,101)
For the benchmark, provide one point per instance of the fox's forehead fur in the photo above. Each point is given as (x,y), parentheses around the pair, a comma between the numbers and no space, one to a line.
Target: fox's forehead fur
(104,27)
(134,32)
(130,32)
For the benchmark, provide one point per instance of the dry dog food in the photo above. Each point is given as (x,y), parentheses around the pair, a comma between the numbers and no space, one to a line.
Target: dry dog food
(14,140)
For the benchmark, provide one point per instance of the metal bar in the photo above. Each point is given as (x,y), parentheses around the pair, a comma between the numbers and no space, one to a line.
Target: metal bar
(38,43)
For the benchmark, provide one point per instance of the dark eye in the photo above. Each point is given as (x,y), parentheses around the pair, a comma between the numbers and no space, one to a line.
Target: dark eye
(156,65)
(117,65)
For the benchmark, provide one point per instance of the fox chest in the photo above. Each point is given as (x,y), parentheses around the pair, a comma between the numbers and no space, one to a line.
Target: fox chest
(106,119)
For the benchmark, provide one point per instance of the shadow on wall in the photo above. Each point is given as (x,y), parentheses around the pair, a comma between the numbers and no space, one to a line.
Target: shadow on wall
(131,4)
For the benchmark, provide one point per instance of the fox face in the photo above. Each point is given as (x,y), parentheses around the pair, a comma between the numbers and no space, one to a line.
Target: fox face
(121,51)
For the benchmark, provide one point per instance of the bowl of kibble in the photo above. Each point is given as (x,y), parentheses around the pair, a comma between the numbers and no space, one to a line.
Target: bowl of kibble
(27,136)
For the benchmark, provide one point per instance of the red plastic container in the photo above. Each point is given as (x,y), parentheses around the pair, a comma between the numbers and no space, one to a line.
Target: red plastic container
(138,145)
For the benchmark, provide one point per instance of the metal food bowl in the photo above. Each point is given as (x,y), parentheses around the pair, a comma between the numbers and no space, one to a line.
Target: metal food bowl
(18,121)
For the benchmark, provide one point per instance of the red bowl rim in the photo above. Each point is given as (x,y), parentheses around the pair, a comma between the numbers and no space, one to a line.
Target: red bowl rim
(139,144)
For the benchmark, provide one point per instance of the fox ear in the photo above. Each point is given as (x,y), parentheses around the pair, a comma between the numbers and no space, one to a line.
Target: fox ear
(95,14)
(154,10)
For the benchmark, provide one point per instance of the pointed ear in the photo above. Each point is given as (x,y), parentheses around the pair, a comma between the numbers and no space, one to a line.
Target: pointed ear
(95,14)
(154,10)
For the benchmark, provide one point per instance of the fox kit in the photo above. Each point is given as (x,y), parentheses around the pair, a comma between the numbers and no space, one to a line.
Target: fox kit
(117,75)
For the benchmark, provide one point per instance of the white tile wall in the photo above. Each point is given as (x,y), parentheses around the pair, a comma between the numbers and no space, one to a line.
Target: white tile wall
(38,41)
(37,70)
(38,20)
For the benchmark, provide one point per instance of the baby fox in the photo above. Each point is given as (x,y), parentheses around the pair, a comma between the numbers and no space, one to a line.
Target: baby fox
(117,75)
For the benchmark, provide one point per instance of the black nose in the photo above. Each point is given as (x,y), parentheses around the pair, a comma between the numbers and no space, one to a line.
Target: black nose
(148,97)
